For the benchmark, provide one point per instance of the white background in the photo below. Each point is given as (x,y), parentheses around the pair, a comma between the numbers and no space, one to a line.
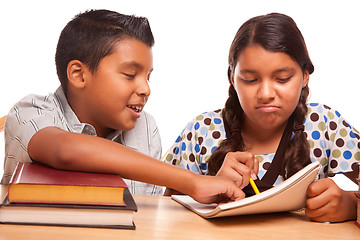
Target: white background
(192,39)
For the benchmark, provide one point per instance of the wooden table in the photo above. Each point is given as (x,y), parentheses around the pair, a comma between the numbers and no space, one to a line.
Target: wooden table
(162,218)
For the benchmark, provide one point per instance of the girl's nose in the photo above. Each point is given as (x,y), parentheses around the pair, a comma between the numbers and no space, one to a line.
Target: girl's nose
(266,91)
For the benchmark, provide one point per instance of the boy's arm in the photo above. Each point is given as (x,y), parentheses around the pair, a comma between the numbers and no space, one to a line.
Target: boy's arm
(79,152)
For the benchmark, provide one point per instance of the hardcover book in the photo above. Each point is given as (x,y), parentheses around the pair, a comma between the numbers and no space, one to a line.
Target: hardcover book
(36,183)
(287,196)
(72,215)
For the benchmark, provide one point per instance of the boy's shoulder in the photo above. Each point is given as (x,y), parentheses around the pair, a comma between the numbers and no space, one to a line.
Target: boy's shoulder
(31,106)
(38,111)
(49,101)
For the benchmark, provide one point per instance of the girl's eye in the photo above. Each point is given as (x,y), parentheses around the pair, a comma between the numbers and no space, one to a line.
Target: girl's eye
(284,79)
(249,80)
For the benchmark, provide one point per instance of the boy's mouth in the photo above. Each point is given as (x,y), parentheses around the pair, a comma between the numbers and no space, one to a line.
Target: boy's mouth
(135,108)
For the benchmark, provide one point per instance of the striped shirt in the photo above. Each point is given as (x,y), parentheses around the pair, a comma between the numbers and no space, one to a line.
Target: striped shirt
(35,112)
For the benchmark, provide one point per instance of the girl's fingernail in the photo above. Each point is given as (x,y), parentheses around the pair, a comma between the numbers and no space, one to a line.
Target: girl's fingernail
(253,176)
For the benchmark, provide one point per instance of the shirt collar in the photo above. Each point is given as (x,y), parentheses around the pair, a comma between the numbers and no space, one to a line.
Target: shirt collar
(73,121)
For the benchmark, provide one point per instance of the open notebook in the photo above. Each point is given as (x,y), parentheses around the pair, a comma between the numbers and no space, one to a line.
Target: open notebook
(287,196)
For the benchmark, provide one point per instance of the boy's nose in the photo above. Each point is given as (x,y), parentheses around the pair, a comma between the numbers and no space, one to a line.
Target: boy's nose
(144,88)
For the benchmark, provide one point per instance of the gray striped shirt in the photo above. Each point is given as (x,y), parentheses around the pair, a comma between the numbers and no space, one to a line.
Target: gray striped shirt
(35,112)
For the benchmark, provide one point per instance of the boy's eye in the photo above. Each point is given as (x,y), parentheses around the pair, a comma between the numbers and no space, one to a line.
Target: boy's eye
(129,75)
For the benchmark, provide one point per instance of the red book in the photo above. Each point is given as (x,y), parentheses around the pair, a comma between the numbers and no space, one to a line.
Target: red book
(35,183)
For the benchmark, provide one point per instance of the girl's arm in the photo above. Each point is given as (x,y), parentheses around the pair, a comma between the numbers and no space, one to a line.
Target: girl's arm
(79,152)
(328,203)
(237,166)
(240,167)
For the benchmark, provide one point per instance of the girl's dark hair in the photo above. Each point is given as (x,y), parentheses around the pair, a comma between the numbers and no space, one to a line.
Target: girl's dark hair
(276,33)
(90,36)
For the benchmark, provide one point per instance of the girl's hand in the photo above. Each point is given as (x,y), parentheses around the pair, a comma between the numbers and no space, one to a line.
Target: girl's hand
(328,203)
(239,167)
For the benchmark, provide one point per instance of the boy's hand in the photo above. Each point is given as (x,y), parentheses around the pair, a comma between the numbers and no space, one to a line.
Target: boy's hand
(239,167)
(328,203)
(210,189)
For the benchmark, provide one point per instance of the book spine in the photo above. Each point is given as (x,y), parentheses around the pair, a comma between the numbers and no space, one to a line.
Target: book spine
(17,174)
(357,223)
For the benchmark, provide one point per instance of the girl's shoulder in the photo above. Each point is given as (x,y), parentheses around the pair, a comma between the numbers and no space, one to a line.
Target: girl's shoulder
(325,117)
(205,121)
(319,107)
(321,111)
(208,117)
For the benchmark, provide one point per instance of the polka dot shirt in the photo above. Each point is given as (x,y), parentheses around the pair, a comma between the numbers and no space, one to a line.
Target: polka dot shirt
(333,142)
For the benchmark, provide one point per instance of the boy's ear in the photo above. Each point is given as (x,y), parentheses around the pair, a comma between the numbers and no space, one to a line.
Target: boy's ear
(75,73)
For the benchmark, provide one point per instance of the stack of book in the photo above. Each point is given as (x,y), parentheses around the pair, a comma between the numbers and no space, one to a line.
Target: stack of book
(40,195)
(357,221)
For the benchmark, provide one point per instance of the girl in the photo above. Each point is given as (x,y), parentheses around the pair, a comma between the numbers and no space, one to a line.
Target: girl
(267,116)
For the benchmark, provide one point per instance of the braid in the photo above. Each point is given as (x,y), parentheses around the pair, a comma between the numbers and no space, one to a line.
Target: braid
(275,33)
(297,154)
(232,116)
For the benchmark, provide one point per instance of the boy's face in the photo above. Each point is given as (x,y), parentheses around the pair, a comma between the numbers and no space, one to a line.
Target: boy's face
(118,90)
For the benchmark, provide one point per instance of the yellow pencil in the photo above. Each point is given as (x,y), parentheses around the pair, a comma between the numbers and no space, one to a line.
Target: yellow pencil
(256,190)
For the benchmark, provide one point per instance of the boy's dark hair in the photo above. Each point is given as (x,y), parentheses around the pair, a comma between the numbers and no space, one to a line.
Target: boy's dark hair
(274,32)
(90,36)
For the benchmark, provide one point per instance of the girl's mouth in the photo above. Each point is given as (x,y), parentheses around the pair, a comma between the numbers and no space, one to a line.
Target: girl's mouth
(268,108)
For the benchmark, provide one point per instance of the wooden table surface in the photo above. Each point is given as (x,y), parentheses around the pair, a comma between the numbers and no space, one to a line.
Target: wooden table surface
(163,218)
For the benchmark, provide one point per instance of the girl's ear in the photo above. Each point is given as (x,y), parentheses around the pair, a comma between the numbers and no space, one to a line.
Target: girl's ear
(76,71)
(231,77)
(306,78)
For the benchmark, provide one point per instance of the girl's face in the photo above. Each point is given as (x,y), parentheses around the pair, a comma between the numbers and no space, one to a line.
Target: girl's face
(268,85)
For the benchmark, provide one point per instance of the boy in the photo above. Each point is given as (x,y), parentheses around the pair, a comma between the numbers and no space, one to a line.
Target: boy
(104,62)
